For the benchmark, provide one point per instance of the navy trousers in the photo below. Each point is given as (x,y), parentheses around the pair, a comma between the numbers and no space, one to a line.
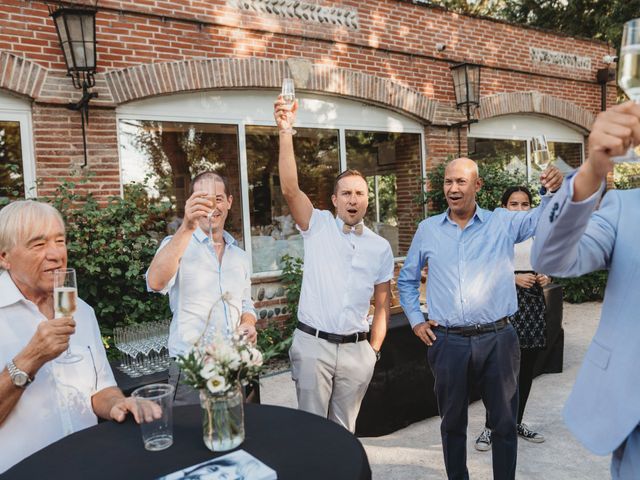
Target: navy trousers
(490,363)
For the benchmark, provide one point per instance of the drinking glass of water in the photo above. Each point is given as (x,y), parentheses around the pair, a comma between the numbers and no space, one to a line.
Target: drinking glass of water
(629,75)
(289,96)
(65,302)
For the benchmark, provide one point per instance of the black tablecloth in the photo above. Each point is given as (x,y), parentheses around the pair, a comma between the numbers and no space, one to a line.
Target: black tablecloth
(297,445)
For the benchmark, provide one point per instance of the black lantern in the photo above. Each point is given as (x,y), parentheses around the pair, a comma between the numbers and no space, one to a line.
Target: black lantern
(466,84)
(76,27)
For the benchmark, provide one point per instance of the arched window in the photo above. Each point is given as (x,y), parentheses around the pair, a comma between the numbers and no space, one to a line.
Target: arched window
(506,140)
(170,138)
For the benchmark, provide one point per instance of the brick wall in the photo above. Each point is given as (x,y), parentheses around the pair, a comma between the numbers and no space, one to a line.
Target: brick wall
(390,59)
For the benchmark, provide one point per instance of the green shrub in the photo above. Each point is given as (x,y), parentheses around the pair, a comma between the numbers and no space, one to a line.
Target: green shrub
(274,340)
(111,246)
(587,288)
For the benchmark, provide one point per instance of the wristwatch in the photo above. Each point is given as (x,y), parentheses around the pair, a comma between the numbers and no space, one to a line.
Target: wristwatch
(19,377)
(378,354)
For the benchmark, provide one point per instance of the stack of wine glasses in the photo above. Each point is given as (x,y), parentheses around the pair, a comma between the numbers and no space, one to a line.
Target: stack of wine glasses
(143,347)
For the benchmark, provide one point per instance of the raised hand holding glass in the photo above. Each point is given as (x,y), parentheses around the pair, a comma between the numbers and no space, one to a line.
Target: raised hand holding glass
(289,96)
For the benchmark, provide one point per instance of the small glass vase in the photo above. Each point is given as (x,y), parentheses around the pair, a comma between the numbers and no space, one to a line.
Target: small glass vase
(222,419)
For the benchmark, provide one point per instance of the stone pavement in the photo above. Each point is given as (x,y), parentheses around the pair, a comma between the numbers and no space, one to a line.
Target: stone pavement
(415,452)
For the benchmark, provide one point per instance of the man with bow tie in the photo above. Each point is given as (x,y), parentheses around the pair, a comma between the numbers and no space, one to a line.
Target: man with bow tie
(345,263)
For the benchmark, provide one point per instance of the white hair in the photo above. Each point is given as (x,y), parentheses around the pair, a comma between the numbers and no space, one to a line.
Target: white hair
(21,219)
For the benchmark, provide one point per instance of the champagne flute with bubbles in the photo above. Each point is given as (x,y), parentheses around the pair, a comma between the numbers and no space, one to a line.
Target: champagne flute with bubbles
(65,302)
(629,75)
(540,152)
(289,96)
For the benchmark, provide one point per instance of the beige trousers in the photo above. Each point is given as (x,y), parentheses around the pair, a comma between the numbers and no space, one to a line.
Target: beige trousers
(331,379)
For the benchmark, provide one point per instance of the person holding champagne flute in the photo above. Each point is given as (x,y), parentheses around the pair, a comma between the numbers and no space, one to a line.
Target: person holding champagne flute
(206,275)
(603,410)
(345,264)
(42,400)
(471,295)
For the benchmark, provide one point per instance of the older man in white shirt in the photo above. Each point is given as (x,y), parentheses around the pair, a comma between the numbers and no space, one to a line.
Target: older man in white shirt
(345,264)
(207,277)
(42,401)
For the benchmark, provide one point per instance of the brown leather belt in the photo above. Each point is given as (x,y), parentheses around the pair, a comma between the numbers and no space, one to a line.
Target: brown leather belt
(332,337)
(475,329)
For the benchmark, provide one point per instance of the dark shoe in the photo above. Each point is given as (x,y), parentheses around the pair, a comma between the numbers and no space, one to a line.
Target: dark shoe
(529,435)
(483,442)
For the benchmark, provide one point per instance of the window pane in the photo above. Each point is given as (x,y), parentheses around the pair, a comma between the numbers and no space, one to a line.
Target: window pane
(566,156)
(510,154)
(11,175)
(273,232)
(166,155)
(391,163)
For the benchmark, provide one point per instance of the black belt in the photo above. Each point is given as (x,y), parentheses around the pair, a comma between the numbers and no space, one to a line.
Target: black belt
(332,337)
(476,329)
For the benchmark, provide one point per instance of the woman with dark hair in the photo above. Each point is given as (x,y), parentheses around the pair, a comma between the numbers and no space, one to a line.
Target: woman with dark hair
(529,320)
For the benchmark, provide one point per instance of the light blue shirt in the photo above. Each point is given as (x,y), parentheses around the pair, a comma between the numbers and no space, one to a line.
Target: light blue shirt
(470,278)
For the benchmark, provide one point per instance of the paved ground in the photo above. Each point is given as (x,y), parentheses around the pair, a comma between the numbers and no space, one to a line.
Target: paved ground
(415,452)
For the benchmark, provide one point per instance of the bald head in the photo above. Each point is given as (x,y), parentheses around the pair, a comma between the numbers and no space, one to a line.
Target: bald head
(463,164)
(461,183)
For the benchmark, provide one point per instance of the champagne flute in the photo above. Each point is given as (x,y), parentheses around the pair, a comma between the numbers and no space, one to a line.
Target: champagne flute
(289,96)
(209,184)
(629,75)
(65,302)
(540,152)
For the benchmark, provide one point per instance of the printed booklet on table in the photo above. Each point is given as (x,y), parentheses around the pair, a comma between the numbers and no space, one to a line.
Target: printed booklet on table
(238,465)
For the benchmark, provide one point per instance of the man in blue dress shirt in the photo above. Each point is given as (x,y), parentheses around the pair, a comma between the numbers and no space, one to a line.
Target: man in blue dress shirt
(470,295)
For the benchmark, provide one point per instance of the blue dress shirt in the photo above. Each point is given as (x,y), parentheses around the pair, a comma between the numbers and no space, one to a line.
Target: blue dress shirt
(470,269)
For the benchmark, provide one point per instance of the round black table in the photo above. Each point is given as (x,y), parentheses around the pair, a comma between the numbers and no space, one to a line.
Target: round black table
(297,445)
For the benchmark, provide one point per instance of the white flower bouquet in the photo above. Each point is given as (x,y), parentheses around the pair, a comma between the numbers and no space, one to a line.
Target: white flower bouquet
(221,365)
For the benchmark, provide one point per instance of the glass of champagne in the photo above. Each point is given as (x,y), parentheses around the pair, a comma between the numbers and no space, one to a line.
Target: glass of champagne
(212,194)
(65,301)
(289,96)
(629,75)
(540,152)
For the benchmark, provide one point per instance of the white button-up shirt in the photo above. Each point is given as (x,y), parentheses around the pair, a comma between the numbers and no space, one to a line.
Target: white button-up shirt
(196,289)
(58,402)
(340,272)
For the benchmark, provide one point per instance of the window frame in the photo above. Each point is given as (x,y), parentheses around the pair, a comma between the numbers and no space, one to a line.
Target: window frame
(14,109)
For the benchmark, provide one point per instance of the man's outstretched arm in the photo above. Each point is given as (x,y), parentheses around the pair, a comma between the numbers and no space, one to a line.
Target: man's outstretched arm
(299,204)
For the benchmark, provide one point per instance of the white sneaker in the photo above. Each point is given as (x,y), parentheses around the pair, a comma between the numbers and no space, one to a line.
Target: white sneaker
(483,442)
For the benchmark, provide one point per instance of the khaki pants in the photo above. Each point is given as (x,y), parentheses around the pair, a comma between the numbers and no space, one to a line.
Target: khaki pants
(331,379)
